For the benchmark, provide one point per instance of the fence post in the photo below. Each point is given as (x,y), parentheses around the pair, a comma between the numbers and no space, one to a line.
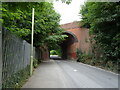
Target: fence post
(0,48)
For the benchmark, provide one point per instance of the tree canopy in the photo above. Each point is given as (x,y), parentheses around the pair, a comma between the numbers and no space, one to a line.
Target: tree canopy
(17,17)
(103,20)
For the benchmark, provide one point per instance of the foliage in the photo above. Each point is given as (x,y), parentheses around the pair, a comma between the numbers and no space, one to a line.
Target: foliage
(79,55)
(66,1)
(17,80)
(17,18)
(103,20)
(89,59)
(59,51)
(53,52)
(35,63)
(56,52)
(54,40)
(83,57)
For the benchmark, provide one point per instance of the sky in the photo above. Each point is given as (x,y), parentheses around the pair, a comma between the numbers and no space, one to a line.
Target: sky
(69,13)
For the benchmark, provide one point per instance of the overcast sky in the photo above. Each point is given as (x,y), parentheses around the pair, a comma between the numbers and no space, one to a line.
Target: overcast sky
(69,13)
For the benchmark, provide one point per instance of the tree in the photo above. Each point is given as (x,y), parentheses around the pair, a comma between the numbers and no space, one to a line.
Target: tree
(103,19)
(17,18)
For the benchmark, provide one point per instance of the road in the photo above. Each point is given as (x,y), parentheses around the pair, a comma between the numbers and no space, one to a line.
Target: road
(70,74)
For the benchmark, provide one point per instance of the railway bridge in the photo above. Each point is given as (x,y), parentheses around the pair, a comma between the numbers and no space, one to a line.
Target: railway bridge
(78,38)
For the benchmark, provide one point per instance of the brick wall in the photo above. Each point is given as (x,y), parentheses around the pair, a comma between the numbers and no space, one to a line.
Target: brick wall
(82,35)
(44,53)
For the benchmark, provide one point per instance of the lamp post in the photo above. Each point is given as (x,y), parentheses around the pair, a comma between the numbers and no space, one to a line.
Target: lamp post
(31,58)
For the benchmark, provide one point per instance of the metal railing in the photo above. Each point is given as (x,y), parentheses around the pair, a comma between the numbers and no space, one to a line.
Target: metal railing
(15,54)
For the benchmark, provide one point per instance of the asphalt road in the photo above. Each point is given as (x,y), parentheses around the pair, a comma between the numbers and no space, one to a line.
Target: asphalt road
(70,74)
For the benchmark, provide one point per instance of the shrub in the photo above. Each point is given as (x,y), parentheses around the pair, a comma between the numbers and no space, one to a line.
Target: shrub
(35,63)
(53,52)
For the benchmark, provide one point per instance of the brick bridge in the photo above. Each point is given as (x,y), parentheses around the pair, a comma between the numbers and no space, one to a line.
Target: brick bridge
(78,38)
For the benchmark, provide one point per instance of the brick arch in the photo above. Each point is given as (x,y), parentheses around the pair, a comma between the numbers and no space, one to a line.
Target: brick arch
(82,36)
(72,34)
(78,39)
(67,51)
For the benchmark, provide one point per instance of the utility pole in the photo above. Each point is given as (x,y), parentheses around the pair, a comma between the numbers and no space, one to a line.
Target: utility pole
(31,61)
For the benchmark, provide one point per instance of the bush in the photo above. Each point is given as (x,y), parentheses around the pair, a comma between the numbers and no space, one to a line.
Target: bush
(101,62)
(53,52)
(35,63)
(83,57)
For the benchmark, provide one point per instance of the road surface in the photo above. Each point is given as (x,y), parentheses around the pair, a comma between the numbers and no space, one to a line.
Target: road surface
(70,74)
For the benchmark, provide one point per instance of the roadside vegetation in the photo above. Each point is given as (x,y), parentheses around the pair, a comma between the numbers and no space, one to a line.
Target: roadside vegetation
(56,52)
(102,19)
(17,17)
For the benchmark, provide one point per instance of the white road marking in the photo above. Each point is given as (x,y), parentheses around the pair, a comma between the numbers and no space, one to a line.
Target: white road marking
(75,70)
